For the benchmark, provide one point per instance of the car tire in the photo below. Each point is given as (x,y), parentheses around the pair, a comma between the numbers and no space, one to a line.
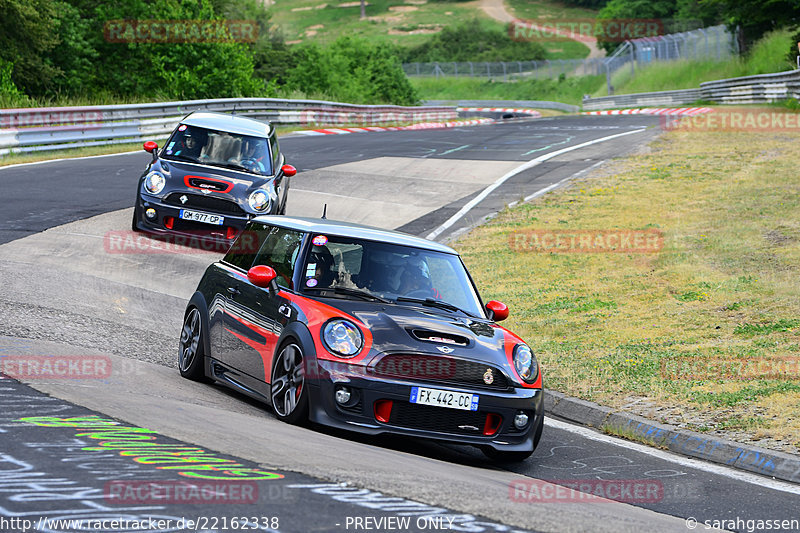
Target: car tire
(191,347)
(288,389)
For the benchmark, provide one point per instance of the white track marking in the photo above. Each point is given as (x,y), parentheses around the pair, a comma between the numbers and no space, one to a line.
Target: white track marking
(525,166)
(687,462)
(66,159)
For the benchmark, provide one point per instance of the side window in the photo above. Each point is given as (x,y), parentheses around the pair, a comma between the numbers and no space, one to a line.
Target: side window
(276,152)
(245,248)
(280,251)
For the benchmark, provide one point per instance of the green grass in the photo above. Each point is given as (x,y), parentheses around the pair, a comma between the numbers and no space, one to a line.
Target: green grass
(608,327)
(768,55)
(544,11)
(569,91)
(405,25)
(411,26)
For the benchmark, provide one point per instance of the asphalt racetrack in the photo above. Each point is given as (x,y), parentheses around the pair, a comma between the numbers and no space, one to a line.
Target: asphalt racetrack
(64,291)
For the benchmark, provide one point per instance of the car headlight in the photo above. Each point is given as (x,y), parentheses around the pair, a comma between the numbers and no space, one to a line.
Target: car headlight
(342,338)
(259,200)
(154,182)
(525,363)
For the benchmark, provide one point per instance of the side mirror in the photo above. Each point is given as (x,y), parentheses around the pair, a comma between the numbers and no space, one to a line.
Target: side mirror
(288,170)
(498,310)
(150,146)
(261,276)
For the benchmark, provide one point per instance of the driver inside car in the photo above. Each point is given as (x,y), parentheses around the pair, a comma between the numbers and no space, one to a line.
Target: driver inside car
(415,281)
(253,156)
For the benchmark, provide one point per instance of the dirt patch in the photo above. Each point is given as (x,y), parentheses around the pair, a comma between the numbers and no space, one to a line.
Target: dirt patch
(351,4)
(417,31)
(403,9)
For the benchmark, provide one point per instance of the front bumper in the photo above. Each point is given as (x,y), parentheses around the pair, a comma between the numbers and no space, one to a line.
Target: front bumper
(440,423)
(226,233)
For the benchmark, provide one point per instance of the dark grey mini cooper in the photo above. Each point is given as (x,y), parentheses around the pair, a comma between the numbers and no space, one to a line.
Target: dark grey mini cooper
(215,173)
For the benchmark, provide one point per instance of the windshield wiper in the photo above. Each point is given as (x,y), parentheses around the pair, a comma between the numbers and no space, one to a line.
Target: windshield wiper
(352,292)
(234,166)
(432,302)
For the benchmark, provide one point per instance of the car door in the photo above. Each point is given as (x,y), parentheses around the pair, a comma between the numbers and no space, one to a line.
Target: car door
(255,317)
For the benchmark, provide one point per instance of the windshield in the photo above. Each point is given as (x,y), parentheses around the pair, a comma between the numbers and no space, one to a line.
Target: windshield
(347,267)
(220,148)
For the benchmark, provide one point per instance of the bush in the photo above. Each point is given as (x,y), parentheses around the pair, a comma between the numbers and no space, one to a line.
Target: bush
(351,70)
(473,41)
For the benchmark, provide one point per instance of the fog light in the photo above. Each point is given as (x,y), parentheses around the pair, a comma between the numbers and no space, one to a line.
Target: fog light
(342,395)
(521,420)
(150,213)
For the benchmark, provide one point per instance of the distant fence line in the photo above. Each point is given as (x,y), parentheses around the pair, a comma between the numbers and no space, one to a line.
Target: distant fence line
(505,70)
(715,42)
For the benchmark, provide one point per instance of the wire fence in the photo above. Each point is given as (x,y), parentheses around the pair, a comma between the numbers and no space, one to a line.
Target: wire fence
(506,71)
(715,42)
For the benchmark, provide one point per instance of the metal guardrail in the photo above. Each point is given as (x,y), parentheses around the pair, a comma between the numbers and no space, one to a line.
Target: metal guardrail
(661,98)
(529,104)
(39,129)
(763,88)
(760,89)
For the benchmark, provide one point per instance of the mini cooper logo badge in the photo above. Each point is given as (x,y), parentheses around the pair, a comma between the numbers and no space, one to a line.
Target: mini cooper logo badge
(444,349)
(184,199)
(488,376)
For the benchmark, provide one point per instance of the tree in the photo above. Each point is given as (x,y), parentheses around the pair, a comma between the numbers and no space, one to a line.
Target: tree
(26,36)
(363,9)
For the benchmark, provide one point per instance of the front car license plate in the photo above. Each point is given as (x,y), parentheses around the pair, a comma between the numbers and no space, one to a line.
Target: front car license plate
(444,398)
(197,216)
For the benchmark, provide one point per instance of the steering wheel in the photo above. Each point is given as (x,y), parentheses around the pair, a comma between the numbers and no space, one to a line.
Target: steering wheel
(419,293)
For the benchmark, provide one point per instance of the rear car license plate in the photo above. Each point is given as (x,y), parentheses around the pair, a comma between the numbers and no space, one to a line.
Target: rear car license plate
(197,216)
(444,398)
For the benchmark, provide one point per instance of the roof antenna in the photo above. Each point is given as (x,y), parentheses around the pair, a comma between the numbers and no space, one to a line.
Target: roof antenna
(324,211)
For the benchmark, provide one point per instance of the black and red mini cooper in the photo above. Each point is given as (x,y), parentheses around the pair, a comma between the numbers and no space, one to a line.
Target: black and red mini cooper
(214,174)
(366,330)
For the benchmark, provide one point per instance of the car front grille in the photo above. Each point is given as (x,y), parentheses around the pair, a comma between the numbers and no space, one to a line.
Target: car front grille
(438,419)
(209,203)
(439,369)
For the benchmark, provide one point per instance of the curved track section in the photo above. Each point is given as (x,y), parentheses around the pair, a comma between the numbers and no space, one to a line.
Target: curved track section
(67,290)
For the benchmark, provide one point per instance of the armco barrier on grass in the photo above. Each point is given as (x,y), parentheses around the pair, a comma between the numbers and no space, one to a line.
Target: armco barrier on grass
(39,129)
